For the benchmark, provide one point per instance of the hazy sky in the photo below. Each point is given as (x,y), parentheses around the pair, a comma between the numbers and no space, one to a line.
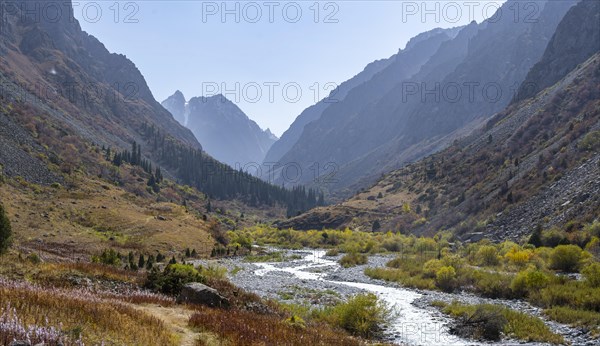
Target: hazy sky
(272,58)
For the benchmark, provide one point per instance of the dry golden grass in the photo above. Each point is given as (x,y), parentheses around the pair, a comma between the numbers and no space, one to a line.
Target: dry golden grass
(56,274)
(388,202)
(74,223)
(242,328)
(93,319)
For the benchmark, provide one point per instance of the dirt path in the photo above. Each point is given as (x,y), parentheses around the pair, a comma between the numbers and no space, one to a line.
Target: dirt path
(175,318)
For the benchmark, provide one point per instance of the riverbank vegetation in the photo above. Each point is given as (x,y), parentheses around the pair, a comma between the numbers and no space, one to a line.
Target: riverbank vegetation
(363,316)
(556,269)
(490,322)
(562,277)
(353,259)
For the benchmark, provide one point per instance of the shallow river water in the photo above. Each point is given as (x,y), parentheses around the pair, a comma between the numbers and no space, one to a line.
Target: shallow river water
(305,273)
(412,326)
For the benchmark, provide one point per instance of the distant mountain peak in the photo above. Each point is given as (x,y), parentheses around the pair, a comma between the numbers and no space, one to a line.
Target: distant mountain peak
(225,131)
(176,105)
(271,134)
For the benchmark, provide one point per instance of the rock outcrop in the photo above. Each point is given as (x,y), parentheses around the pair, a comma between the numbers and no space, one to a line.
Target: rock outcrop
(200,294)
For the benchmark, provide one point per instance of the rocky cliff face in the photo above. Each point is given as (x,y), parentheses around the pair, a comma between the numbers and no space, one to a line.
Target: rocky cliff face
(102,95)
(367,136)
(576,39)
(226,133)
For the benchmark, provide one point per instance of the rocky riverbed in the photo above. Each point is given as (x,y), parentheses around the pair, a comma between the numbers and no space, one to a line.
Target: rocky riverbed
(310,277)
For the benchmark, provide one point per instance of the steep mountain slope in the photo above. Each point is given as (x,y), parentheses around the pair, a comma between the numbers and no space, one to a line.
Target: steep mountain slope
(226,133)
(536,162)
(400,67)
(564,53)
(411,121)
(64,97)
(103,94)
(312,113)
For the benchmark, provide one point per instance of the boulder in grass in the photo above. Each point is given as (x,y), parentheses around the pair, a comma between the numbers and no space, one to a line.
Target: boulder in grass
(197,293)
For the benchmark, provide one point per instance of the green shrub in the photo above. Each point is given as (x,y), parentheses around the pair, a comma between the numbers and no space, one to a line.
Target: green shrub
(172,279)
(528,280)
(212,272)
(109,257)
(529,328)
(275,256)
(332,252)
(591,141)
(34,258)
(518,258)
(353,259)
(455,261)
(574,317)
(487,321)
(566,258)
(593,228)
(431,267)
(492,285)
(572,294)
(412,266)
(392,245)
(591,273)
(487,255)
(593,247)
(387,274)
(296,322)
(398,275)
(553,238)
(362,315)
(519,284)
(445,278)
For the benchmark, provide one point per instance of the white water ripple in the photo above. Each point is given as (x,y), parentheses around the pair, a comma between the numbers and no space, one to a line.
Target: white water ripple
(413,326)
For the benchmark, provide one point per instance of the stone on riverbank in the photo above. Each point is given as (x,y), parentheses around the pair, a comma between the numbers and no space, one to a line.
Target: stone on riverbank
(197,293)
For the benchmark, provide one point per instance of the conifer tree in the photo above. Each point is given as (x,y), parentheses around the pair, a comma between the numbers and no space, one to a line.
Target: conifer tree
(150,262)
(5,231)
(141,261)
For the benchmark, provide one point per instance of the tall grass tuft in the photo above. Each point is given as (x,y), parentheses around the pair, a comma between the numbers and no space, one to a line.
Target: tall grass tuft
(243,328)
(93,317)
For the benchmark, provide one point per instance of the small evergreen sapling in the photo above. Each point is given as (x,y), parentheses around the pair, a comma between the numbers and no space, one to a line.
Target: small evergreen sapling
(5,231)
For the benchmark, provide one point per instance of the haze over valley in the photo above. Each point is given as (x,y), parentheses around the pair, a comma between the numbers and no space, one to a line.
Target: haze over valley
(294,173)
